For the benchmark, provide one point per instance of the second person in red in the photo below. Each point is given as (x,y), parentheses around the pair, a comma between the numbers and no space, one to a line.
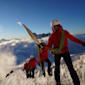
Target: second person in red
(30,66)
(43,57)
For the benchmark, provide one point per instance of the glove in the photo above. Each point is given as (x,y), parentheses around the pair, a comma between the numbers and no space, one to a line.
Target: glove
(55,50)
(38,45)
(83,44)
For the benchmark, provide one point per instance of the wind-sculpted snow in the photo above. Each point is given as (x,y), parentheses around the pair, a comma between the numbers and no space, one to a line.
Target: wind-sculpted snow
(19,77)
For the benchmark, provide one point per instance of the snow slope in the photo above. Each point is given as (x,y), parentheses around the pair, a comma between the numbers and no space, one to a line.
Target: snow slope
(7,62)
(14,53)
(19,77)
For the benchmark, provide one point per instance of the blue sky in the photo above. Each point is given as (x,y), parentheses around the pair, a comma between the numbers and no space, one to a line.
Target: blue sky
(37,15)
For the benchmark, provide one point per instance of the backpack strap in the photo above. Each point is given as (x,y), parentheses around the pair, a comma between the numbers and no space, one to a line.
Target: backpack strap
(61,43)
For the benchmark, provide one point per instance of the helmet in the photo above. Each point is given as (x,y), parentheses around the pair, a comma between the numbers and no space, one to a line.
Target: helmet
(31,56)
(55,22)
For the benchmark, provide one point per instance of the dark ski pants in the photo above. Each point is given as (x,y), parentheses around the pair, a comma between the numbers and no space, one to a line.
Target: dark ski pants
(49,66)
(30,72)
(68,61)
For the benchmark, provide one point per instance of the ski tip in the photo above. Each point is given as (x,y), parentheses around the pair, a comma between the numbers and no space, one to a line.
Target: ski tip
(20,23)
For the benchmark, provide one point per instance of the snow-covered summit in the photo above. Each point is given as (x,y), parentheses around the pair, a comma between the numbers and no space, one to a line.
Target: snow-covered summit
(14,53)
(19,77)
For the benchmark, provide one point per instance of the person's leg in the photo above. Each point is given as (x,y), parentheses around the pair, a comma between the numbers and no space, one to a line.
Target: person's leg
(73,73)
(33,69)
(30,72)
(57,69)
(49,67)
(42,67)
(27,73)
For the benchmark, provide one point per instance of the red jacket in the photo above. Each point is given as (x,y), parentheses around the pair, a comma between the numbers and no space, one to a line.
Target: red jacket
(31,64)
(55,37)
(43,54)
(26,66)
